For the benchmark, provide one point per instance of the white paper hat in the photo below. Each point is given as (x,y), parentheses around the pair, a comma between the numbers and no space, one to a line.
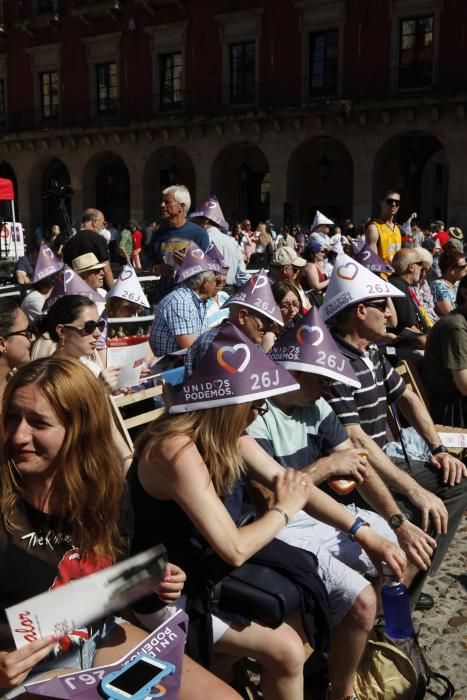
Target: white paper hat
(128,287)
(321,220)
(406,228)
(350,283)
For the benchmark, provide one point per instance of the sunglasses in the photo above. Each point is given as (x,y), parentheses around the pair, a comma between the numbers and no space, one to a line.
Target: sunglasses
(393,202)
(326,381)
(262,324)
(26,333)
(88,328)
(380,305)
(461,267)
(261,407)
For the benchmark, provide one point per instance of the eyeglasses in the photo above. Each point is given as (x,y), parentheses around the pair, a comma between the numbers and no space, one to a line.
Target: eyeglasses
(461,267)
(380,305)
(393,202)
(263,324)
(261,407)
(326,381)
(289,305)
(88,328)
(26,333)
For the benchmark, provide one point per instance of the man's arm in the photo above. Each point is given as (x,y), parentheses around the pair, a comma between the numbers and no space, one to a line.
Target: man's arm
(21,277)
(185,340)
(108,275)
(460,380)
(417,415)
(371,236)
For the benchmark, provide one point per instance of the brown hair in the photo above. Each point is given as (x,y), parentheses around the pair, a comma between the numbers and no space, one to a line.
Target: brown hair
(89,477)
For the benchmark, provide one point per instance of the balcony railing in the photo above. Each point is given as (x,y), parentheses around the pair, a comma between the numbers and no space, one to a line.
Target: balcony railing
(358,91)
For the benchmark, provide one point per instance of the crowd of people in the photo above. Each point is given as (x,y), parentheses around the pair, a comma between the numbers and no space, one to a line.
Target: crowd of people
(286,344)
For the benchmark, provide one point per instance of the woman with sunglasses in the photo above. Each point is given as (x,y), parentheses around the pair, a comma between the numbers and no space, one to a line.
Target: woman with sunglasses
(16,338)
(73,323)
(453,267)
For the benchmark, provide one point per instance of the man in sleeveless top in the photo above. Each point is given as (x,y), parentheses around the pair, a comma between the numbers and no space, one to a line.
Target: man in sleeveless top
(383,235)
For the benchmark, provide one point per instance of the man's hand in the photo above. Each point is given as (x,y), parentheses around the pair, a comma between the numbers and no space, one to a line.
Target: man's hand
(349,463)
(418,545)
(453,469)
(380,549)
(431,506)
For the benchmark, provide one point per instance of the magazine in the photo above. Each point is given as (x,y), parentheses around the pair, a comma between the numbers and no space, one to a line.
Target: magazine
(127,346)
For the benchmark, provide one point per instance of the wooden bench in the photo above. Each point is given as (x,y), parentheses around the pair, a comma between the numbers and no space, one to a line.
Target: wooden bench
(135,423)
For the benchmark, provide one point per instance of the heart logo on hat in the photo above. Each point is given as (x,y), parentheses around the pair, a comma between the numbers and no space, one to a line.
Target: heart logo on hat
(365,255)
(197,253)
(217,383)
(125,275)
(261,281)
(47,252)
(68,275)
(211,204)
(233,349)
(309,329)
(352,271)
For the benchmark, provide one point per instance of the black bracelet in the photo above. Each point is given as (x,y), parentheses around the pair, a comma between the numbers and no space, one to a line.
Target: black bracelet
(438,450)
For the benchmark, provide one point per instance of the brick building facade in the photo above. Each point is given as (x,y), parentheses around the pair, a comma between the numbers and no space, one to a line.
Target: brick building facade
(275,106)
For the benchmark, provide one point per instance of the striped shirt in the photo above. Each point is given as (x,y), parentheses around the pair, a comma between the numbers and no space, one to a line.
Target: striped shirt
(181,312)
(367,406)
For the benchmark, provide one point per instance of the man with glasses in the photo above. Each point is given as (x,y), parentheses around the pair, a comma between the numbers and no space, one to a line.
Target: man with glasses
(411,326)
(383,235)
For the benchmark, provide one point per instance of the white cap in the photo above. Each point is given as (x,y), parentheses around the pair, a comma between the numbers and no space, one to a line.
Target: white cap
(350,283)
(128,287)
(321,220)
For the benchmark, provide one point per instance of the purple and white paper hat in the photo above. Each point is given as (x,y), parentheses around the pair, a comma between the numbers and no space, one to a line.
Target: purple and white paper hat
(232,371)
(211,210)
(369,259)
(214,253)
(47,264)
(321,220)
(68,283)
(127,286)
(310,347)
(196,261)
(350,283)
(256,294)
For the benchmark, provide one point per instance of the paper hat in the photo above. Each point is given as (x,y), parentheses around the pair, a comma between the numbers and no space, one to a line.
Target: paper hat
(214,253)
(369,259)
(86,262)
(127,287)
(257,294)
(47,264)
(310,347)
(232,371)
(196,261)
(350,283)
(212,211)
(69,282)
(406,228)
(321,220)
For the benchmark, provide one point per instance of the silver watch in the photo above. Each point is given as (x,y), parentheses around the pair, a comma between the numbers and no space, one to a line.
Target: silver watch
(396,520)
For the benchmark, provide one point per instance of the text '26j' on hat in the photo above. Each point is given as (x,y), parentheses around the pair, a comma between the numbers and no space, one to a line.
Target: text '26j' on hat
(196,261)
(232,371)
(310,347)
(256,294)
(127,286)
(47,264)
(369,259)
(350,283)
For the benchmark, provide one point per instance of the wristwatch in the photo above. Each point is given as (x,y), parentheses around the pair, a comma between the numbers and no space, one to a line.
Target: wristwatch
(439,449)
(359,522)
(396,520)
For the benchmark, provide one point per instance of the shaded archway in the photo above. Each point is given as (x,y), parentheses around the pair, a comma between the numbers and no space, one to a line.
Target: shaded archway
(415,163)
(240,179)
(55,195)
(7,172)
(167,166)
(106,186)
(319,176)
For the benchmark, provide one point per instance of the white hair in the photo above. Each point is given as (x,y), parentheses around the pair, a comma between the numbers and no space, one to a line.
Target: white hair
(425,256)
(196,281)
(181,195)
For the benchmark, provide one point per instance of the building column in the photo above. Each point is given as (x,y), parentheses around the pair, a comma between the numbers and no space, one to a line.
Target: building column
(363,159)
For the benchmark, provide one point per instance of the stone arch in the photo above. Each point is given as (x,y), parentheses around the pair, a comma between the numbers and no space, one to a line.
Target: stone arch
(319,176)
(414,162)
(166,166)
(106,186)
(7,171)
(241,180)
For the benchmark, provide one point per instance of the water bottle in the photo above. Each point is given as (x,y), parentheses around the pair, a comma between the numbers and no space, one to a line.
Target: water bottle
(396,606)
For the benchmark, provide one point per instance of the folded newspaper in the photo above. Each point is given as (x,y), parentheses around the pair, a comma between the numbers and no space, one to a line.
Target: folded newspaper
(127,346)
(64,609)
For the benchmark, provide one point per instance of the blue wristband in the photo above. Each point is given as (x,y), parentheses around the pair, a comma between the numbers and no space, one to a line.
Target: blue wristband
(359,522)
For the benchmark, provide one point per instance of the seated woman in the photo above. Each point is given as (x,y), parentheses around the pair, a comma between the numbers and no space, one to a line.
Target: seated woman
(16,338)
(453,267)
(54,482)
(314,273)
(290,305)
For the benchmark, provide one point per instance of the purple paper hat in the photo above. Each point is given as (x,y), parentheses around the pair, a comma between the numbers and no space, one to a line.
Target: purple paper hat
(70,283)
(211,210)
(47,264)
(309,347)
(369,259)
(196,261)
(215,255)
(257,294)
(232,371)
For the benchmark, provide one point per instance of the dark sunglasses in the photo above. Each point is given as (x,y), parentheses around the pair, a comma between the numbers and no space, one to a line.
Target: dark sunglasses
(263,324)
(393,202)
(326,381)
(461,267)
(88,328)
(380,305)
(261,407)
(26,333)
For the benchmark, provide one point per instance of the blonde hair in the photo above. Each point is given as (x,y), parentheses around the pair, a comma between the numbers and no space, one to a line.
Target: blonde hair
(89,476)
(214,431)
